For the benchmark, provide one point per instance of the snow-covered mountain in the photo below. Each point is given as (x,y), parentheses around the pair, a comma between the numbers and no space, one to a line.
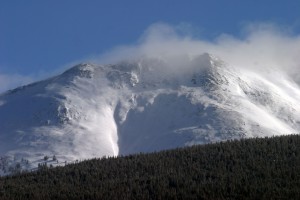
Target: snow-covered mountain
(142,105)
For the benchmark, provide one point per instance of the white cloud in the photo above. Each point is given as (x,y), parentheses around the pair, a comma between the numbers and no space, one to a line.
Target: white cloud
(261,46)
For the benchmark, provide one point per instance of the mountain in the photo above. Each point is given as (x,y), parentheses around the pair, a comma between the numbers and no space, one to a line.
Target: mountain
(142,105)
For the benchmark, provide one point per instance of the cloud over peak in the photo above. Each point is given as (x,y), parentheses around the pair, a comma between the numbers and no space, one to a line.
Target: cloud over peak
(259,46)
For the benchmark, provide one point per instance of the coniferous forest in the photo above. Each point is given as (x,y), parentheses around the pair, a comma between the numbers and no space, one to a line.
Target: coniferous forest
(257,168)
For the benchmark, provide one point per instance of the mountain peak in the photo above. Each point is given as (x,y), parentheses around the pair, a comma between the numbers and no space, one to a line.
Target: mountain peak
(143,105)
(84,70)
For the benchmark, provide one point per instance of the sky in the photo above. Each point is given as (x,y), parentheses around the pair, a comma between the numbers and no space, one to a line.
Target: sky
(42,38)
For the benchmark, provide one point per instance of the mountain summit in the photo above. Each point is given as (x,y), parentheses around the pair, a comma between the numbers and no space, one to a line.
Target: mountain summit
(143,105)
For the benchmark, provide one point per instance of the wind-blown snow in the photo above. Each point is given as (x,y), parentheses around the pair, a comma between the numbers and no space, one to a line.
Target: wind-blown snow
(142,105)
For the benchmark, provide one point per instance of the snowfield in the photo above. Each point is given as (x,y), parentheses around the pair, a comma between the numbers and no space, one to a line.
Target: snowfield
(142,105)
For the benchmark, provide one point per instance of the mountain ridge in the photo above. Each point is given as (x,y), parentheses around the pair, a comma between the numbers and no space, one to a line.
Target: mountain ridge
(144,105)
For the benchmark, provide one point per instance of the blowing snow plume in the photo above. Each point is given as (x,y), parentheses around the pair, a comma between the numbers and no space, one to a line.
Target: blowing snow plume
(260,47)
(167,91)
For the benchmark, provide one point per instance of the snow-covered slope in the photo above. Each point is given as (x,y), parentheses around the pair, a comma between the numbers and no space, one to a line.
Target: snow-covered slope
(142,105)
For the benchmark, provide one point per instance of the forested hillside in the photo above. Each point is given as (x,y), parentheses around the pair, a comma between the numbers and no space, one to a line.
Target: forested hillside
(258,168)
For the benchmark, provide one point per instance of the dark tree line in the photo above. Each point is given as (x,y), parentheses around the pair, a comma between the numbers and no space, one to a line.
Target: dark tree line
(258,168)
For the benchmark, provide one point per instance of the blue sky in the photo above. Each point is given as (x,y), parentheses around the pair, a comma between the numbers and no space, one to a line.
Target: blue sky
(40,37)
